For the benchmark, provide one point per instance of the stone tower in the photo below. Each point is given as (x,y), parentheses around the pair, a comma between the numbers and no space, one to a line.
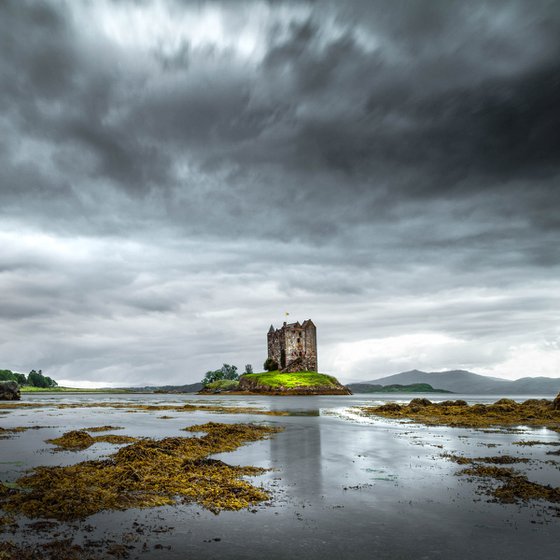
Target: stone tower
(294,346)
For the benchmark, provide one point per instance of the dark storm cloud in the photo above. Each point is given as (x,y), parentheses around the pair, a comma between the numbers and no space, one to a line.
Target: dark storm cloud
(357,158)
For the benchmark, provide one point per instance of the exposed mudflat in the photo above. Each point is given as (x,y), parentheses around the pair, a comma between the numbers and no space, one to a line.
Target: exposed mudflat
(332,483)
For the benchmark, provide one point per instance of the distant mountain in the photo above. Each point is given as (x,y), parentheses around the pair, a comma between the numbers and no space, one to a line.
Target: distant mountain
(460,381)
(414,388)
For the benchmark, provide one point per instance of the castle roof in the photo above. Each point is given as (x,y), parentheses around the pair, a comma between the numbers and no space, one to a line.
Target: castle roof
(296,325)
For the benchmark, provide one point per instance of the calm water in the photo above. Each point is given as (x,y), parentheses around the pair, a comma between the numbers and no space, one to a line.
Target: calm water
(343,486)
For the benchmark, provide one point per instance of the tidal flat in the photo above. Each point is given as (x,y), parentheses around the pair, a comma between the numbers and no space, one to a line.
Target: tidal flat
(321,480)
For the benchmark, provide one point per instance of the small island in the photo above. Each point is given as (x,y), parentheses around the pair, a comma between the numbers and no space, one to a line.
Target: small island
(291,368)
(295,383)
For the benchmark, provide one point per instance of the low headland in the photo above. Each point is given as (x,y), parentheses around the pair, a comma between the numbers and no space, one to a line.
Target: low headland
(278,383)
(395,388)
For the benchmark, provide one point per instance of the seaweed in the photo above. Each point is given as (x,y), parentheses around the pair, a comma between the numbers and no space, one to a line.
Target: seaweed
(55,550)
(505,412)
(496,460)
(532,443)
(146,473)
(78,440)
(103,428)
(515,487)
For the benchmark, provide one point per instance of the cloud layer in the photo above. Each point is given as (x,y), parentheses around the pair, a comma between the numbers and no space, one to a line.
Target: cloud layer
(174,176)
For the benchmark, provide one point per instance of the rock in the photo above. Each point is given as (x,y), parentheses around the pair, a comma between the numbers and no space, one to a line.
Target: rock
(458,402)
(420,402)
(9,391)
(536,403)
(556,403)
(507,402)
(479,409)
(390,407)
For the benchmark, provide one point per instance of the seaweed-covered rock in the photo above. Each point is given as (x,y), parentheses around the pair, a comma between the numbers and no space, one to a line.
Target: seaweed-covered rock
(9,391)
(458,402)
(479,409)
(420,402)
(536,403)
(390,407)
(507,402)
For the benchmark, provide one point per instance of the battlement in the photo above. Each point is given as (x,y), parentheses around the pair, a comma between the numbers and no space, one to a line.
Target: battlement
(294,346)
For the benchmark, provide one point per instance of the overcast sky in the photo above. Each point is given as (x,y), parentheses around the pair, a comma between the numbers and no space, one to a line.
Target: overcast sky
(176,176)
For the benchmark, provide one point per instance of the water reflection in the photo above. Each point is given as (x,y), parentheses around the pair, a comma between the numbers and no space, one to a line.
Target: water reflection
(297,453)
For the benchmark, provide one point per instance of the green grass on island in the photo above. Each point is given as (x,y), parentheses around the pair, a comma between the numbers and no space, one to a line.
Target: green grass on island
(222,385)
(276,379)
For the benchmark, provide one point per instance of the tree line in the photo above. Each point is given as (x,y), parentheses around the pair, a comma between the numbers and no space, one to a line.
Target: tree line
(32,379)
(226,372)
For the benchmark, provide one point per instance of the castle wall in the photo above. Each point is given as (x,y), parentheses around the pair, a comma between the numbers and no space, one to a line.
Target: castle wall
(274,346)
(310,350)
(294,346)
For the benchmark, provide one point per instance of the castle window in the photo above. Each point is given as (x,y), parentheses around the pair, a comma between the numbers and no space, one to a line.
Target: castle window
(298,340)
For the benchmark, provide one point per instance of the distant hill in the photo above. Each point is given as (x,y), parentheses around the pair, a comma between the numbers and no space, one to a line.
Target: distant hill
(414,388)
(467,382)
(192,388)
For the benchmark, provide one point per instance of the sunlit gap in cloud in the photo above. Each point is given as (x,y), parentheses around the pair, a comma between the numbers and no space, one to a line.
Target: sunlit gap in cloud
(247,31)
(159,26)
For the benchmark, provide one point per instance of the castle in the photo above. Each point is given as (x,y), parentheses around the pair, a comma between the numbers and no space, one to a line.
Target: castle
(294,346)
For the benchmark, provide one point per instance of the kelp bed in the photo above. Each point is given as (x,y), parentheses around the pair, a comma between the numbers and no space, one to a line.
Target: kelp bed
(146,473)
(505,412)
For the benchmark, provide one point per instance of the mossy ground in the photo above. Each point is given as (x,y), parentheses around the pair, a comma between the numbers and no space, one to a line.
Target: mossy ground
(276,379)
(505,412)
(146,473)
